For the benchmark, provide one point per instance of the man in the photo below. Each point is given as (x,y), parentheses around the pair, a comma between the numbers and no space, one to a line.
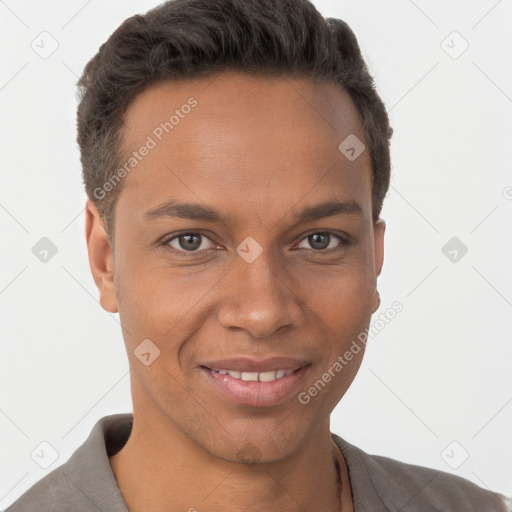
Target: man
(236,157)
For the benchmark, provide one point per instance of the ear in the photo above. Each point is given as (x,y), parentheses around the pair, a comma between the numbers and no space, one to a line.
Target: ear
(101,261)
(379,229)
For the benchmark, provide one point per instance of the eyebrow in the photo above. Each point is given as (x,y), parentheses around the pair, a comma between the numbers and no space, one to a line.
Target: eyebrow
(196,211)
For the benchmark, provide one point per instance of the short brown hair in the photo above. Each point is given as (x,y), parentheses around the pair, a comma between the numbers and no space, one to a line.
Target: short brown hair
(193,38)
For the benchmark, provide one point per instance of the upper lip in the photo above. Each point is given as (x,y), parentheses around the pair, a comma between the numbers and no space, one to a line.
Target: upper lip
(247,364)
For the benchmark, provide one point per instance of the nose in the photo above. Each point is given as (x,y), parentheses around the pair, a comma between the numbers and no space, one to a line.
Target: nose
(260,297)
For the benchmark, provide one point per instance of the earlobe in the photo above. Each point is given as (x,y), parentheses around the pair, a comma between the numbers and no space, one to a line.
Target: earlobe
(101,261)
(376,301)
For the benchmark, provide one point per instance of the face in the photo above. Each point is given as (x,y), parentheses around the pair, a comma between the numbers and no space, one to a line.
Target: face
(253,268)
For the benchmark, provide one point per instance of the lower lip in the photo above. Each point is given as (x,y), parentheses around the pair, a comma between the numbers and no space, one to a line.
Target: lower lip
(256,393)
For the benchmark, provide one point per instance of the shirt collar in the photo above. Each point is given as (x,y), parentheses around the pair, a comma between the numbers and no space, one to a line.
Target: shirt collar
(90,471)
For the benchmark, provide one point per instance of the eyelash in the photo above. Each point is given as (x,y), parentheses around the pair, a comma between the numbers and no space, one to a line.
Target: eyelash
(343,242)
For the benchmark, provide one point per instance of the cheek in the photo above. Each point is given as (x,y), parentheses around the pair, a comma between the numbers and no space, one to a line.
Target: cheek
(344,309)
(140,300)
(160,304)
(342,294)
(342,301)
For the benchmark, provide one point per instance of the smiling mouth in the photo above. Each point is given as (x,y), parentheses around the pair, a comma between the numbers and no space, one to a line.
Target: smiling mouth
(256,389)
(268,376)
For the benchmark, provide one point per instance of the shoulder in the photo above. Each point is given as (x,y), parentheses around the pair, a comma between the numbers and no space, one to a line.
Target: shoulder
(86,481)
(53,492)
(408,487)
(426,486)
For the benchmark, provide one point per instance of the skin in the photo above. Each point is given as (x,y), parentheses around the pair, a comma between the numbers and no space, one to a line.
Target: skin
(258,150)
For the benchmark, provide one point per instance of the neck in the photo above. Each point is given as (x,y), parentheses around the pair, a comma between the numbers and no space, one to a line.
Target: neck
(162,469)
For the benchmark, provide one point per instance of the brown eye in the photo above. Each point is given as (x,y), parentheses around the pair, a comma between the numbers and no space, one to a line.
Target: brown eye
(188,242)
(322,240)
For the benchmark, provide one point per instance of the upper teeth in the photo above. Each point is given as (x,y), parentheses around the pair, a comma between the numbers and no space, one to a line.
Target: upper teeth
(255,376)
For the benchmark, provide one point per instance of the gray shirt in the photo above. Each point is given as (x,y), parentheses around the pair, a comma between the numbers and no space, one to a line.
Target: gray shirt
(86,482)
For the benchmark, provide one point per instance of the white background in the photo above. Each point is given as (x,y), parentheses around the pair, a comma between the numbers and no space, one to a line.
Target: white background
(438,373)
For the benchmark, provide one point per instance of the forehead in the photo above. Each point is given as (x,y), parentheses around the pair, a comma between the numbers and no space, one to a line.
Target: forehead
(244,138)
